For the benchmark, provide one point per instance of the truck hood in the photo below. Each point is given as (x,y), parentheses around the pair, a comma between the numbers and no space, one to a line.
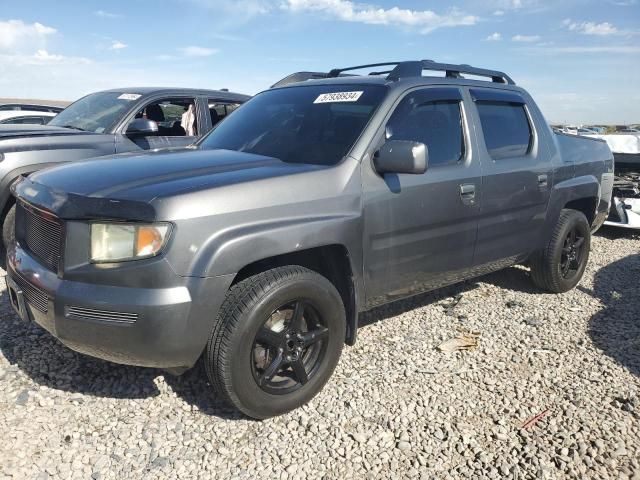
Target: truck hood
(162,174)
(24,131)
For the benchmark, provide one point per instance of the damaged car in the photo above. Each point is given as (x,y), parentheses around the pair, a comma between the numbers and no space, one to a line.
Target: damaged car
(625,206)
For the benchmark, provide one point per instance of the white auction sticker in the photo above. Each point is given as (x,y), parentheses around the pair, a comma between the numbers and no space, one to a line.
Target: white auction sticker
(338,97)
(129,96)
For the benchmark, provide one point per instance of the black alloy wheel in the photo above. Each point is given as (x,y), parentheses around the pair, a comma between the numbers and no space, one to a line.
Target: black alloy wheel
(289,348)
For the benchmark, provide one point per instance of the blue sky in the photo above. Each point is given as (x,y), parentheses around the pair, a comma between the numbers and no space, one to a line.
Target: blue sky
(580,59)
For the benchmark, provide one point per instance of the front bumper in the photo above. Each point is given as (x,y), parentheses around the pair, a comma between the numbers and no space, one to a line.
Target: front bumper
(157,327)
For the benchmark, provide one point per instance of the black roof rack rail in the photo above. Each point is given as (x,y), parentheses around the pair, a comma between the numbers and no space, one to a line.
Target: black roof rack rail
(414,69)
(409,69)
(299,77)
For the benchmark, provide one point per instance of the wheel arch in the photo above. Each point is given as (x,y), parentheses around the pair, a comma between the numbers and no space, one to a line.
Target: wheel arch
(332,261)
(579,193)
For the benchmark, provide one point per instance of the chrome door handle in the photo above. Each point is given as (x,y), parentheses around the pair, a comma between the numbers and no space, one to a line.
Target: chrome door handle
(542,181)
(468,193)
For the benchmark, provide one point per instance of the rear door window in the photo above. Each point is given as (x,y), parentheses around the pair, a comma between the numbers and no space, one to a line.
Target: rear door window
(506,128)
(219,110)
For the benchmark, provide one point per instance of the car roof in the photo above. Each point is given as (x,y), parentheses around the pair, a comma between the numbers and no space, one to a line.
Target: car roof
(179,90)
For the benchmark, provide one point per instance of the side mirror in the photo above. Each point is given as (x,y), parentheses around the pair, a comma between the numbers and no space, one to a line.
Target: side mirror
(401,156)
(142,127)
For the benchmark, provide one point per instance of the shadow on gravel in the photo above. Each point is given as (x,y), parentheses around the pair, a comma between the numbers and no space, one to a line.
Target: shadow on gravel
(193,387)
(48,362)
(613,233)
(515,278)
(616,328)
(417,301)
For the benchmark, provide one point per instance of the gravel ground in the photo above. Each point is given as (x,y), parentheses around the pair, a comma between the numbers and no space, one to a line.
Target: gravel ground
(395,407)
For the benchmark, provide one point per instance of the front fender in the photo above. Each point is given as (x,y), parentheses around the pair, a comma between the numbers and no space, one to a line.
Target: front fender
(229,250)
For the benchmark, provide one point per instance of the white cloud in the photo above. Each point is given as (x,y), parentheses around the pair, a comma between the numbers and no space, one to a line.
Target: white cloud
(498,13)
(591,28)
(41,57)
(104,14)
(516,5)
(21,36)
(526,38)
(195,51)
(117,45)
(424,21)
(494,37)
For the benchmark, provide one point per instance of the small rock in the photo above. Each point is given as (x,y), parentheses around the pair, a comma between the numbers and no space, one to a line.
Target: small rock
(532,321)
(160,462)
(404,445)
(359,437)
(22,398)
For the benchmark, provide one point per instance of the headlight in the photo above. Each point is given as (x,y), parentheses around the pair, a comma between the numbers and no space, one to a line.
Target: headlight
(119,242)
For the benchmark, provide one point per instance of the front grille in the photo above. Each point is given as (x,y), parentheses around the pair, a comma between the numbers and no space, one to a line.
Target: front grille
(32,294)
(83,313)
(43,235)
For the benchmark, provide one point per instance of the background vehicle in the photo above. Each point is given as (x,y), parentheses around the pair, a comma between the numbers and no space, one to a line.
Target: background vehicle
(28,117)
(103,123)
(29,107)
(314,202)
(625,208)
(27,113)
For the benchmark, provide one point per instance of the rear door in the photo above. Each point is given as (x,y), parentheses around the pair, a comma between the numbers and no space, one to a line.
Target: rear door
(516,176)
(420,230)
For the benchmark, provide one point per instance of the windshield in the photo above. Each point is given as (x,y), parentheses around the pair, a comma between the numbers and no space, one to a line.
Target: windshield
(97,112)
(307,124)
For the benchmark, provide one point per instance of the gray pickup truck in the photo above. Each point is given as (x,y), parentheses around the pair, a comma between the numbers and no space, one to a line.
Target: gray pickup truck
(312,202)
(104,123)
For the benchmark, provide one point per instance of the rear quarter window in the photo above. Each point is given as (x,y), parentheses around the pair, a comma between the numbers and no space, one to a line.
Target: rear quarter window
(506,129)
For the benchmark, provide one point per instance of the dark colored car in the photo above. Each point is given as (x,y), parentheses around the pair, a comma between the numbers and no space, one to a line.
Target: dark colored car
(104,123)
(311,203)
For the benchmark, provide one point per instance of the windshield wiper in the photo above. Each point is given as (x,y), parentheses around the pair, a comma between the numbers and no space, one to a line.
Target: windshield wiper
(74,128)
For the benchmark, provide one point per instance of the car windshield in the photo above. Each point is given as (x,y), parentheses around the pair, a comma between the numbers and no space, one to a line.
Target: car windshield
(315,124)
(97,112)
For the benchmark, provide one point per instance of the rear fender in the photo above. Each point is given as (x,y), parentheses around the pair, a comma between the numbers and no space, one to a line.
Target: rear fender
(571,190)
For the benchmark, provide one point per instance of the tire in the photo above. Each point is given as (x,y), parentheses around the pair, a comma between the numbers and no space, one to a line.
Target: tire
(560,265)
(9,228)
(256,328)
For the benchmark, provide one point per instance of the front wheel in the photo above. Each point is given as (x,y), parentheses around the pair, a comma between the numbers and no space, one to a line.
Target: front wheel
(276,340)
(560,265)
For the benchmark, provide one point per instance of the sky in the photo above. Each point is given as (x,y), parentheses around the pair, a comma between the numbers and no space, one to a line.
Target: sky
(580,59)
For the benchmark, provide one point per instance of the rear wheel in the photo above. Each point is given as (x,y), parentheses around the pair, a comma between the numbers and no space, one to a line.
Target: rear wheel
(276,341)
(560,265)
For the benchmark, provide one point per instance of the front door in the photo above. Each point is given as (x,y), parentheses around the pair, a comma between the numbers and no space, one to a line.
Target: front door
(177,121)
(420,230)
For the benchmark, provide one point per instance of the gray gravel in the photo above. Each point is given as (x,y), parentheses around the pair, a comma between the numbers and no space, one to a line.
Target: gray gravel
(396,406)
